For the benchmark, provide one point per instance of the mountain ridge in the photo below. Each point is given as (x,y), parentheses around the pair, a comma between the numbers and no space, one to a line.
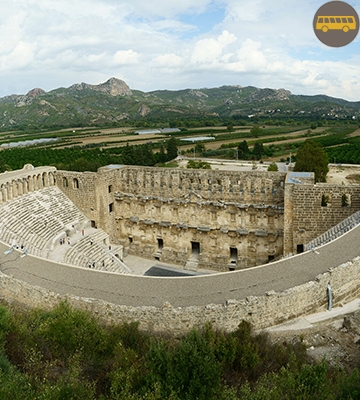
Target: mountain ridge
(113,101)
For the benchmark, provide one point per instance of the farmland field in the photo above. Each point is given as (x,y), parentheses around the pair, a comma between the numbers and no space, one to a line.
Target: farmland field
(90,148)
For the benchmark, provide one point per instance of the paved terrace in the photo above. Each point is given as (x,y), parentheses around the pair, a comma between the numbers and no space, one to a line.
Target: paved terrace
(182,291)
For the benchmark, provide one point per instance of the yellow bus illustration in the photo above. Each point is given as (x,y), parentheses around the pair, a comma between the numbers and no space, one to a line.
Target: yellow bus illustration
(327,23)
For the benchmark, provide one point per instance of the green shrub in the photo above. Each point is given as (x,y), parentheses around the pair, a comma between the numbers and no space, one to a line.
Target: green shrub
(273,167)
(4,326)
(195,372)
(198,164)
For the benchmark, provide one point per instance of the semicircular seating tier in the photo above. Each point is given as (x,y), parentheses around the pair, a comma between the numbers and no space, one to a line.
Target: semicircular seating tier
(45,223)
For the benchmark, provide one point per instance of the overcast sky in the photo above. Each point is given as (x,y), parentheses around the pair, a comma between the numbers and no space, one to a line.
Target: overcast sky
(172,44)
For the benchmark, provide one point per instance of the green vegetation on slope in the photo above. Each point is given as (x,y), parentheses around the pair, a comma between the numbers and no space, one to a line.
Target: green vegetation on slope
(69,354)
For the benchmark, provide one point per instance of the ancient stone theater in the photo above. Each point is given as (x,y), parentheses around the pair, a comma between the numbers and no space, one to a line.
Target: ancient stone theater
(265,233)
(208,219)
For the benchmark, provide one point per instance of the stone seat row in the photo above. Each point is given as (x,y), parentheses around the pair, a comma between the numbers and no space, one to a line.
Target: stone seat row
(11,231)
(91,252)
(30,221)
(36,221)
(24,225)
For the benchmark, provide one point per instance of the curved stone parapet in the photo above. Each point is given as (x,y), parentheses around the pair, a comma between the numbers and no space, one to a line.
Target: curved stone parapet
(265,295)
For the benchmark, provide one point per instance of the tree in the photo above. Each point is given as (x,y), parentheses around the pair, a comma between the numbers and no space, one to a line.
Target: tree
(199,147)
(128,155)
(171,149)
(258,150)
(147,155)
(255,131)
(162,155)
(344,200)
(312,157)
(243,150)
(230,127)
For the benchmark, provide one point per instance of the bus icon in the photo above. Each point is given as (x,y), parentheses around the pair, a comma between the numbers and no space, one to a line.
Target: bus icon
(343,23)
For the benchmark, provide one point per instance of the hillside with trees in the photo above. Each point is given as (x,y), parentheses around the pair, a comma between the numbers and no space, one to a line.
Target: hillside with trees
(69,354)
(112,103)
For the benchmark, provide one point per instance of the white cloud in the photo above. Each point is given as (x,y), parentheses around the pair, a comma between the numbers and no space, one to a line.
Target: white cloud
(153,45)
(209,50)
(21,56)
(240,10)
(123,57)
(168,60)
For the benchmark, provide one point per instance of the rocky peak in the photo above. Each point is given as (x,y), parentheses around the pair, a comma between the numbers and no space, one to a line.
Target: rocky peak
(283,94)
(35,92)
(113,86)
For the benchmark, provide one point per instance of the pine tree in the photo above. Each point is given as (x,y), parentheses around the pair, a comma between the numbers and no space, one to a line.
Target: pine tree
(243,150)
(311,157)
(258,150)
(128,155)
(162,155)
(171,149)
(148,155)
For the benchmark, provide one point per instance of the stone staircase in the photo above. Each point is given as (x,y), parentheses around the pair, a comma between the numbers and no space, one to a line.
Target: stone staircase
(92,251)
(334,232)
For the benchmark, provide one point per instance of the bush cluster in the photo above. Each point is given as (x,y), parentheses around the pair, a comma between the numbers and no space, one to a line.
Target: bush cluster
(69,354)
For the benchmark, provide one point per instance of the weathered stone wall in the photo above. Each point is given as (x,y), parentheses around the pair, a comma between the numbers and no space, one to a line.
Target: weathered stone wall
(242,187)
(80,188)
(228,235)
(198,218)
(222,220)
(262,311)
(207,219)
(305,216)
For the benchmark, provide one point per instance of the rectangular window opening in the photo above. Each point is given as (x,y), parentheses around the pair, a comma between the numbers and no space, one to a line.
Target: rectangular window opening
(195,250)
(233,255)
